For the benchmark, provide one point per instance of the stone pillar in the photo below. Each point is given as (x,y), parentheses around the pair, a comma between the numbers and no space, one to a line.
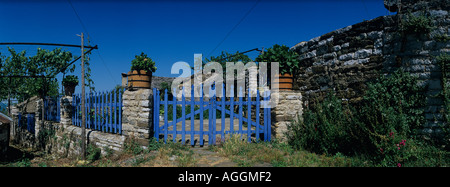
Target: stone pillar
(38,117)
(288,109)
(66,110)
(137,121)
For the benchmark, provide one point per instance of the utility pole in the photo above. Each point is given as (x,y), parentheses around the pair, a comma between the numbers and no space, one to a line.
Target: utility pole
(83,95)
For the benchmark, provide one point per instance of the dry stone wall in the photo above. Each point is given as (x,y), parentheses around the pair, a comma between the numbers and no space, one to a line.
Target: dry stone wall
(346,59)
(288,109)
(137,114)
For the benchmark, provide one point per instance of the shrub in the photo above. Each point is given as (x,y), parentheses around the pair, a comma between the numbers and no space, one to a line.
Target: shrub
(324,129)
(287,58)
(417,24)
(93,153)
(70,80)
(379,126)
(444,63)
(143,62)
(392,104)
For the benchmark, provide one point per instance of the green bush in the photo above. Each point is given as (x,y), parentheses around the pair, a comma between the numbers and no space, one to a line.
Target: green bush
(143,62)
(417,24)
(70,80)
(93,153)
(287,58)
(324,129)
(382,126)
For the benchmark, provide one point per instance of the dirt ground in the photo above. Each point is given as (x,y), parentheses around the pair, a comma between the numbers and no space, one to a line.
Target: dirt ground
(185,156)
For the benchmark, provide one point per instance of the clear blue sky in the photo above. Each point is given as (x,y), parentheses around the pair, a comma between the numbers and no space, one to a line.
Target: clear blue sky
(171,31)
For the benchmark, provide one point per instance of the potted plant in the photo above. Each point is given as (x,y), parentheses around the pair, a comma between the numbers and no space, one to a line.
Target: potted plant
(70,82)
(140,75)
(288,61)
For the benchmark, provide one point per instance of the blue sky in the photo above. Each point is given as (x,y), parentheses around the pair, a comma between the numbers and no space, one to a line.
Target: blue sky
(171,31)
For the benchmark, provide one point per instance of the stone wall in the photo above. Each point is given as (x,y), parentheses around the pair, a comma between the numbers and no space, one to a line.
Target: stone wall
(346,59)
(64,138)
(137,114)
(288,109)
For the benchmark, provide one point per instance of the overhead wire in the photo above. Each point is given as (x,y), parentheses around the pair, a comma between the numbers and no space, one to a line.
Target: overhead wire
(234,27)
(90,38)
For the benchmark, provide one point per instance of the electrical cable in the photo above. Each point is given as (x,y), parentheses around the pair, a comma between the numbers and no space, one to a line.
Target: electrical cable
(234,27)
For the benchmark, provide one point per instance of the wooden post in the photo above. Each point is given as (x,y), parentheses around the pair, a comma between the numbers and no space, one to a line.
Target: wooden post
(83,96)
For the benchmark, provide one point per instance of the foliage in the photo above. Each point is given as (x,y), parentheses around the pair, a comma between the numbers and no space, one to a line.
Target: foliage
(45,135)
(441,38)
(143,62)
(382,127)
(287,59)
(93,153)
(225,57)
(44,63)
(166,86)
(324,129)
(278,154)
(70,80)
(417,24)
(132,146)
(444,63)
(393,102)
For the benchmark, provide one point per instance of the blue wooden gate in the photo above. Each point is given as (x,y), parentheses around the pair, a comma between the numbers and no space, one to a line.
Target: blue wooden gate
(204,113)
(28,121)
(103,111)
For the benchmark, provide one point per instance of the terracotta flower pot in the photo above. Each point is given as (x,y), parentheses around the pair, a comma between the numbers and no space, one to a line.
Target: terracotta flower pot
(69,89)
(285,82)
(140,79)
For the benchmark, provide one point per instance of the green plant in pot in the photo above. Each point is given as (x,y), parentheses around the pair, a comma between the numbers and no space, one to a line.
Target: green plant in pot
(70,82)
(140,75)
(288,61)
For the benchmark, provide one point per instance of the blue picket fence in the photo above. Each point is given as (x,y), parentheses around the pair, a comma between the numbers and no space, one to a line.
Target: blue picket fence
(103,111)
(52,108)
(26,121)
(260,129)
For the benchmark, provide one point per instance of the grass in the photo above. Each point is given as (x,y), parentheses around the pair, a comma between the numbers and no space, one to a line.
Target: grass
(241,152)
(279,155)
(234,149)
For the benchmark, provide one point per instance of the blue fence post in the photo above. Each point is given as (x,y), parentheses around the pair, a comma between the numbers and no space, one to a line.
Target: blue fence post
(174,115)
(156,114)
(249,115)
(232,111)
(75,111)
(201,114)
(192,114)
(183,116)
(166,121)
(265,115)
(104,112)
(222,129)
(257,125)
(97,117)
(108,111)
(210,108)
(115,110)
(269,118)
(214,114)
(73,108)
(240,111)
(120,111)
(88,110)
